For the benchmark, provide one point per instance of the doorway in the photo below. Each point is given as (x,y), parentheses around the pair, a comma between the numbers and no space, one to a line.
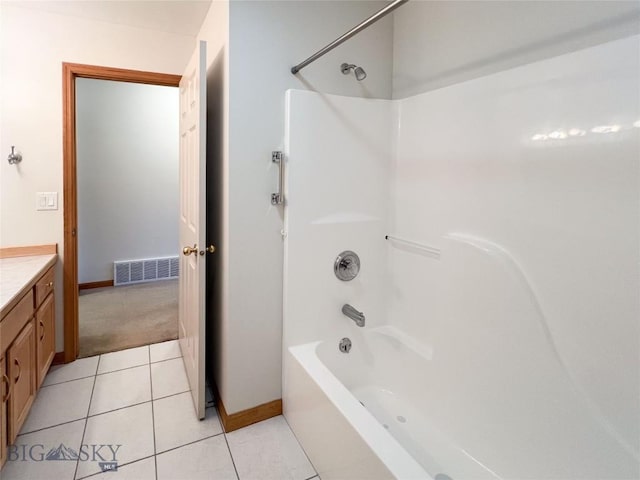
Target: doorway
(72,72)
(127,149)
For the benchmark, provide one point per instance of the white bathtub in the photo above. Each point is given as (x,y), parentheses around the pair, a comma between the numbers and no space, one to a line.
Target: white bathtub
(353,414)
(389,410)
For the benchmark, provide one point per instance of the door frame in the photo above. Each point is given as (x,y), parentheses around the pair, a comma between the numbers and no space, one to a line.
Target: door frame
(71,71)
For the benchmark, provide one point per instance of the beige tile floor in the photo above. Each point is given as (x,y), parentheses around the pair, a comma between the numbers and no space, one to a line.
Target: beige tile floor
(136,402)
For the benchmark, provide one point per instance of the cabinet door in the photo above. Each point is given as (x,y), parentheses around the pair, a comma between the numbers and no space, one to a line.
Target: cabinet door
(4,394)
(45,324)
(22,374)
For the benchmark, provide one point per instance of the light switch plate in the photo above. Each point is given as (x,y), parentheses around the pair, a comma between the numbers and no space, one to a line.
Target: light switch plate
(47,201)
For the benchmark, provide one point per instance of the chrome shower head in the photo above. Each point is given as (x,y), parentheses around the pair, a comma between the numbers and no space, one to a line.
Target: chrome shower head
(360,73)
(345,68)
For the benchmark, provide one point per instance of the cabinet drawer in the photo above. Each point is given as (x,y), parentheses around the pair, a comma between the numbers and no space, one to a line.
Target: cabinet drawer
(15,320)
(43,287)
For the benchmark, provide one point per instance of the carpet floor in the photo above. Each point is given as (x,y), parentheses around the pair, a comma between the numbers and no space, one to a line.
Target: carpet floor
(116,318)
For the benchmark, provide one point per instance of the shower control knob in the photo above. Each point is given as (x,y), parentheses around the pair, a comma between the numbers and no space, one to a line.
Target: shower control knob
(347,266)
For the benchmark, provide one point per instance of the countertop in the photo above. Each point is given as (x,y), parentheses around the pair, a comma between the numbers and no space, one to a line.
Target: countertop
(17,273)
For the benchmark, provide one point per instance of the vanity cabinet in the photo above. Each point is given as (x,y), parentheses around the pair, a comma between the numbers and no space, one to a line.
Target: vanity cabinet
(27,349)
(4,396)
(21,361)
(46,343)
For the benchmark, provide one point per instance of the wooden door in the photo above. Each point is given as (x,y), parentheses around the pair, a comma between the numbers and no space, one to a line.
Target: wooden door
(22,375)
(4,395)
(191,326)
(45,324)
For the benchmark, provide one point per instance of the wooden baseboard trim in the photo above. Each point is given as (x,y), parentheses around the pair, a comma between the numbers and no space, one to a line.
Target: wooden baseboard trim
(58,359)
(10,252)
(247,417)
(100,284)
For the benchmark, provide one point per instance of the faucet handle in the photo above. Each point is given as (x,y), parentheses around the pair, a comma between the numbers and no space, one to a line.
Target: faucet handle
(347,266)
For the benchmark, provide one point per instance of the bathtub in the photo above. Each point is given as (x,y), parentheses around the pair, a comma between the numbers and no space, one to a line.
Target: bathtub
(493,399)
(353,414)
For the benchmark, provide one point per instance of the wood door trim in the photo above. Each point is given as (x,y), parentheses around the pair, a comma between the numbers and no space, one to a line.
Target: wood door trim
(71,71)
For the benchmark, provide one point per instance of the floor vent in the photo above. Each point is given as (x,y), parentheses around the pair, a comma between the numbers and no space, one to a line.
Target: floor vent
(145,270)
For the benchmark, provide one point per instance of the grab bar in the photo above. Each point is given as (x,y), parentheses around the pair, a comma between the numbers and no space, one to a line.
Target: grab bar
(431,251)
(278,197)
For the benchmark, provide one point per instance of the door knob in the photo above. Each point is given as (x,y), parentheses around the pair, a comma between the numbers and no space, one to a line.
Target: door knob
(189,250)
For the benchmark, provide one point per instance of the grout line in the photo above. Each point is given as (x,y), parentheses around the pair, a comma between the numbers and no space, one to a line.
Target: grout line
(233,462)
(135,404)
(102,413)
(189,443)
(301,447)
(51,426)
(153,419)
(119,466)
(165,359)
(171,395)
(219,418)
(119,408)
(110,371)
(67,381)
(122,369)
(86,421)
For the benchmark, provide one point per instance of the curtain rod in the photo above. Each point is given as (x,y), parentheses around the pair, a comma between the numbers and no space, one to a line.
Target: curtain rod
(358,28)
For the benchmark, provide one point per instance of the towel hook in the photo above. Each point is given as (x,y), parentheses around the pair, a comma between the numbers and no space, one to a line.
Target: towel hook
(14,157)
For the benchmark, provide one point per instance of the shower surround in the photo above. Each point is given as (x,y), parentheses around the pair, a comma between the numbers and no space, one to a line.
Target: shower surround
(509,348)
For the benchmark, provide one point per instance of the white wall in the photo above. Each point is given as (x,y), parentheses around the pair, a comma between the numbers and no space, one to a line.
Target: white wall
(438,43)
(127,173)
(266,39)
(33,46)
(472,158)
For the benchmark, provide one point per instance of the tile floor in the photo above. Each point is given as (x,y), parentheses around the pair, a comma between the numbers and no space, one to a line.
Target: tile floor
(136,403)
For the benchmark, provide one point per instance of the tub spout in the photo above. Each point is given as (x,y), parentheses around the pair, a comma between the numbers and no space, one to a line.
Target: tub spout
(353,314)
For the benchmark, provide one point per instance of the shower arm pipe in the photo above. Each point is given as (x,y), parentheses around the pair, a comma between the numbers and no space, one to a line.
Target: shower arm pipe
(358,28)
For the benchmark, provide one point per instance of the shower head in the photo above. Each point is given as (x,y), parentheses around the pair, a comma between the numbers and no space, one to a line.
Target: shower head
(359,72)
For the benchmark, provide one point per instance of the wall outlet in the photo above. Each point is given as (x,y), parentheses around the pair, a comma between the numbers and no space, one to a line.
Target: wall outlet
(47,201)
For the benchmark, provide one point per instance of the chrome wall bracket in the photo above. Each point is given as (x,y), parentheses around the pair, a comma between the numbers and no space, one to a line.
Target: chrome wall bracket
(278,197)
(14,157)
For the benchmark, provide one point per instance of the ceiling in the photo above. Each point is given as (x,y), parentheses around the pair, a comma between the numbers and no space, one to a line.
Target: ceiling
(175,16)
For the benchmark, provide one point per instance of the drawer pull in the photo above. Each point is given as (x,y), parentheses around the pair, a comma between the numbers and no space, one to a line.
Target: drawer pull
(17,364)
(7,383)
(50,284)
(41,330)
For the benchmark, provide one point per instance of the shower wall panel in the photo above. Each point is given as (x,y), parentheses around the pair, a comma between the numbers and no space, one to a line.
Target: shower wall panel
(543,161)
